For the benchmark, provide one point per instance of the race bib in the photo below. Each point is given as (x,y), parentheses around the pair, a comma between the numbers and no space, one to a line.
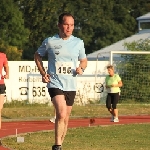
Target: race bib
(64,68)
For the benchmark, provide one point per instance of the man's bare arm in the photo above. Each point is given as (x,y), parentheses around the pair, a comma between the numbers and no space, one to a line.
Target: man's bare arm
(39,63)
(83,63)
(82,66)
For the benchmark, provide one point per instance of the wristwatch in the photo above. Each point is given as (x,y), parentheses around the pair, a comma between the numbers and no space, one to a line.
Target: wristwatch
(82,69)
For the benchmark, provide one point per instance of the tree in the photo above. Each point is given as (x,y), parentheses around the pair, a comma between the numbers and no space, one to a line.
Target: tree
(12,52)
(12,28)
(99,22)
(134,70)
(42,22)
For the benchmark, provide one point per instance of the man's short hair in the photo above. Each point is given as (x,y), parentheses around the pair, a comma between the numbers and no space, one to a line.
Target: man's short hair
(60,20)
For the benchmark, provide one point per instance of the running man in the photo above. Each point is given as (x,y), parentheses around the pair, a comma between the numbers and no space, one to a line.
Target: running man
(64,51)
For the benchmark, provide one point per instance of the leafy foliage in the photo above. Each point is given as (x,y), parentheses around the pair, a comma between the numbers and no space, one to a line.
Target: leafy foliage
(134,71)
(12,52)
(12,27)
(26,23)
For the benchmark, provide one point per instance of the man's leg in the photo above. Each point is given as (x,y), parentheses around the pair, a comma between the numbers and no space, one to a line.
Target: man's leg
(61,111)
(1,106)
(69,108)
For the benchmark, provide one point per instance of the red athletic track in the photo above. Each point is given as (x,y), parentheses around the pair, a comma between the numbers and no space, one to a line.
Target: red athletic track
(9,128)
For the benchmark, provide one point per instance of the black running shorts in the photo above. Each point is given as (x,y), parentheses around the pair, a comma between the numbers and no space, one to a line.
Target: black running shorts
(69,95)
(2,89)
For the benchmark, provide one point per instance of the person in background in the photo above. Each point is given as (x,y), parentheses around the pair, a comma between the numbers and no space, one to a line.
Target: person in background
(3,65)
(64,51)
(113,84)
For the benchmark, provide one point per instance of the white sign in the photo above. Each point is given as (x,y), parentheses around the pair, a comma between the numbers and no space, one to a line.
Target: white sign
(25,82)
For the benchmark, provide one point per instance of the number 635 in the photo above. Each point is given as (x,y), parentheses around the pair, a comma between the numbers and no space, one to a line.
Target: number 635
(38,91)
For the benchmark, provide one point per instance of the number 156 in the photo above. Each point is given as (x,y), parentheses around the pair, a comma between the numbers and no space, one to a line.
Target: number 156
(64,70)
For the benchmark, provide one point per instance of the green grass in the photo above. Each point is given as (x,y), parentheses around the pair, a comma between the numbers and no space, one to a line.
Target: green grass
(42,112)
(117,137)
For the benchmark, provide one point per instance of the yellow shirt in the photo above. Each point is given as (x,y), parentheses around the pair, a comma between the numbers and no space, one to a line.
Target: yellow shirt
(112,80)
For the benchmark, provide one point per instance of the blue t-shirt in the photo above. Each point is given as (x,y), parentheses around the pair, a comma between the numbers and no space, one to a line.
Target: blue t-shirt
(63,56)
